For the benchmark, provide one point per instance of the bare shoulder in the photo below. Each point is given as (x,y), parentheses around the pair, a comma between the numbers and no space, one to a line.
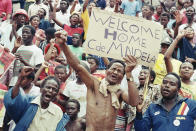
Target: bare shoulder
(82,122)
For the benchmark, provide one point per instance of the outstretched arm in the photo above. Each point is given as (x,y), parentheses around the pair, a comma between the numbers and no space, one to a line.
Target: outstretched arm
(53,15)
(170,50)
(132,98)
(74,6)
(61,37)
(117,6)
(85,5)
(43,66)
(24,73)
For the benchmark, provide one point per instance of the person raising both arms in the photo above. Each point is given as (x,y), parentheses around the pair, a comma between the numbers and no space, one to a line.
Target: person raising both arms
(103,97)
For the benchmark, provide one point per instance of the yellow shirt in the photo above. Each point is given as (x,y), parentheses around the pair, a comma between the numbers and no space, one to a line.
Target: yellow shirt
(160,68)
(45,119)
(85,18)
(188,91)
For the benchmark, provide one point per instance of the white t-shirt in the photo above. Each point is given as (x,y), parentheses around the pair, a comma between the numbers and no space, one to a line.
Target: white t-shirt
(31,54)
(77,8)
(63,18)
(78,92)
(108,8)
(6,29)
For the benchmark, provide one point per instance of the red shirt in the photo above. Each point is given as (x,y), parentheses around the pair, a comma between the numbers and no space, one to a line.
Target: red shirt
(6,7)
(99,76)
(49,71)
(71,30)
(156,17)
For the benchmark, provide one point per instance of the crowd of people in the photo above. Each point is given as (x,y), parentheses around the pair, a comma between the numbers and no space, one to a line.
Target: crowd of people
(54,85)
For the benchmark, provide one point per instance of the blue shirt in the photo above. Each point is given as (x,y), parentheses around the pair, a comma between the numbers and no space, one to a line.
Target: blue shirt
(130,7)
(180,118)
(186,50)
(22,111)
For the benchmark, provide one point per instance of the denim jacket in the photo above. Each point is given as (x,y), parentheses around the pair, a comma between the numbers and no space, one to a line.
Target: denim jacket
(23,112)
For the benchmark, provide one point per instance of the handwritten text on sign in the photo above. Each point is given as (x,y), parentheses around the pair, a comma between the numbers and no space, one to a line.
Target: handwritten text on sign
(115,36)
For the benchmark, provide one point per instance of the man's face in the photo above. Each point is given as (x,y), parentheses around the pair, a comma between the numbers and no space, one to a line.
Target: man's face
(49,91)
(186,70)
(187,3)
(21,19)
(74,20)
(164,20)
(76,40)
(27,37)
(41,13)
(61,74)
(190,12)
(112,3)
(144,73)
(159,10)
(72,109)
(63,5)
(115,73)
(93,65)
(169,87)
(164,48)
(144,11)
(149,13)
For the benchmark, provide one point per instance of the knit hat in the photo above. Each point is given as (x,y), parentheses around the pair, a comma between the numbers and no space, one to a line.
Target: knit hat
(55,45)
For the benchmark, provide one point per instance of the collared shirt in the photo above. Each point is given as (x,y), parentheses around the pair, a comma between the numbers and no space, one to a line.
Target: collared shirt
(180,118)
(45,119)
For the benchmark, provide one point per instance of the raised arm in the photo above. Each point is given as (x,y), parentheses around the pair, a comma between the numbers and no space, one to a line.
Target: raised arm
(117,6)
(142,123)
(53,15)
(61,37)
(85,5)
(74,6)
(37,74)
(106,61)
(170,50)
(178,23)
(132,97)
(25,71)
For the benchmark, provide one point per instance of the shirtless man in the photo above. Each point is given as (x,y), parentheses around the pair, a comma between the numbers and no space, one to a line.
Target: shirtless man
(103,98)
(75,123)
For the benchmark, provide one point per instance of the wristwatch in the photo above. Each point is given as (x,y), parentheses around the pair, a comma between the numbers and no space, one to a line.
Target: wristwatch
(130,79)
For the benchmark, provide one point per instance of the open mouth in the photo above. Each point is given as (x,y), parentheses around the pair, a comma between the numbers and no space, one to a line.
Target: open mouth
(186,73)
(48,97)
(114,77)
(165,91)
(142,79)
